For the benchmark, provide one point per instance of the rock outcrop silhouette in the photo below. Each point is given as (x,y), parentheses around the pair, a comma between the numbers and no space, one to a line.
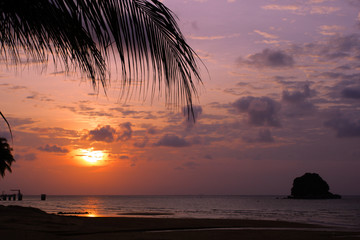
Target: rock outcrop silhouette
(311,186)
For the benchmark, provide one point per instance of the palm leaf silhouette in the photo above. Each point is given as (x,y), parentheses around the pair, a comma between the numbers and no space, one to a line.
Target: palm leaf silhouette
(144,34)
(6,158)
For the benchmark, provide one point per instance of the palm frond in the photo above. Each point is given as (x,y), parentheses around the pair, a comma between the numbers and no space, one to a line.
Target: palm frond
(7,125)
(87,33)
(6,158)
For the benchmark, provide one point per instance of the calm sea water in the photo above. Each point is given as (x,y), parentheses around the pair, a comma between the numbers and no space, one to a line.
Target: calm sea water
(343,212)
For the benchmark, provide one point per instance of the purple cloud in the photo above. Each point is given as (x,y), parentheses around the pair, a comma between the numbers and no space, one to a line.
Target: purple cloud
(27,157)
(269,58)
(54,148)
(172,141)
(344,127)
(351,93)
(261,111)
(102,134)
(125,131)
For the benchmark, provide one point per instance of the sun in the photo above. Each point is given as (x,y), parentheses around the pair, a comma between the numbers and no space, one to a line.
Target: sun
(91,156)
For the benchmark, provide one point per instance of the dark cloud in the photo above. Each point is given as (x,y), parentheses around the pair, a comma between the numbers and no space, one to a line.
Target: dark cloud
(339,75)
(27,157)
(169,140)
(343,44)
(351,93)
(53,148)
(56,132)
(336,48)
(286,81)
(125,131)
(190,165)
(141,144)
(261,111)
(344,67)
(102,134)
(83,108)
(126,111)
(296,96)
(19,121)
(39,97)
(152,130)
(298,101)
(109,134)
(16,87)
(263,136)
(344,127)
(269,58)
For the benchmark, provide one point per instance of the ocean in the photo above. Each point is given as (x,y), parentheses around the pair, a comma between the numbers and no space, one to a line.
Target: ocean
(344,213)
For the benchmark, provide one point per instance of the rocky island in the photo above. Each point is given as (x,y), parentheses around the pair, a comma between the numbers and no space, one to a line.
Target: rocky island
(311,186)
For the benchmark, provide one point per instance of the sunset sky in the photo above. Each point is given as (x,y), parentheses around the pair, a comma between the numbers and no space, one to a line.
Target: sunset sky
(280,97)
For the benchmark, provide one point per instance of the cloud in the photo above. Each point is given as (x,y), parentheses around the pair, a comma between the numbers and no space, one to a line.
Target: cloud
(281,7)
(142,144)
(269,58)
(84,108)
(109,134)
(335,48)
(296,96)
(170,140)
(297,101)
(152,130)
(125,131)
(330,30)
(351,93)
(27,157)
(219,37)
(102,134)
(266,35)
(261,111)
(344,127)
(323,10)
(190,165)
(56,132)
(263,136)
(54,148)
(19,121)
(299,98)
(303,9)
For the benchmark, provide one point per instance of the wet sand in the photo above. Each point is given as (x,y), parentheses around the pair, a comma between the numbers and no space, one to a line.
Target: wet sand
(31,223)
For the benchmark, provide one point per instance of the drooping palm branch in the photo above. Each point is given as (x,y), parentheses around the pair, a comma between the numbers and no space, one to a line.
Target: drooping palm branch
(142,34)
(6,158)
(6,121)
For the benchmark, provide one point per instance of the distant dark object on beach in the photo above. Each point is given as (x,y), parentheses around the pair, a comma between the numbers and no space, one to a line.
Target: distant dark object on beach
(43,197)
(311,186)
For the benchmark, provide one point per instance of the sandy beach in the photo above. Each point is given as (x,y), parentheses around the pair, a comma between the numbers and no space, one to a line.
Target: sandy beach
(31,223)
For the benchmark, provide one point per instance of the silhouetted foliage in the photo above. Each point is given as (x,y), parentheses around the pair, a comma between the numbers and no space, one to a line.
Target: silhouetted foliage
(6,158)
(88,33)
(311,186)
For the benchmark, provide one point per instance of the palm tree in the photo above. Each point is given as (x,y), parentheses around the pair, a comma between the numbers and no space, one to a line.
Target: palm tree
(6,158)
(141,35)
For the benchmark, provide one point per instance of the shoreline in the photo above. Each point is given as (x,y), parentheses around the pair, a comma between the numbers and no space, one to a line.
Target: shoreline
(18,222)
